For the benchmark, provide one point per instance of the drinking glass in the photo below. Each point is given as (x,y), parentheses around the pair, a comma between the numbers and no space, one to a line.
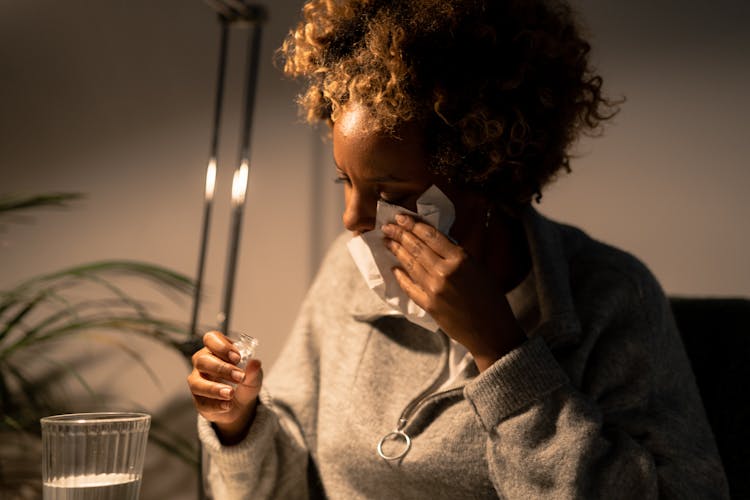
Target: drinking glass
(93,456)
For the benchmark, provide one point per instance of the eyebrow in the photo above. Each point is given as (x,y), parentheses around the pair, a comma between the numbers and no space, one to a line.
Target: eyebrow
(388,178)
(385,178)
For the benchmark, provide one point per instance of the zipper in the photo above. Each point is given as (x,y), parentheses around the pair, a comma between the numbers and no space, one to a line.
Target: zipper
(398,434)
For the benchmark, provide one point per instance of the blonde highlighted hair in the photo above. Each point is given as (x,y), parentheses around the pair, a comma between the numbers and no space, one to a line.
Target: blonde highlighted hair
(502,88)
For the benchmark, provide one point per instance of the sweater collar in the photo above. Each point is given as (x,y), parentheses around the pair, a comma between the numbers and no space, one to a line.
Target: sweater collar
(368,307)
(550,246)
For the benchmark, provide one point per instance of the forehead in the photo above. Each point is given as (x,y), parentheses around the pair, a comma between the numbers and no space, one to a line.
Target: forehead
(361,150)
(355,120)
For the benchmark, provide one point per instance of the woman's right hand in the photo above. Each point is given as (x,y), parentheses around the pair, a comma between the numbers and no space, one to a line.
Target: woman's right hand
(231,410)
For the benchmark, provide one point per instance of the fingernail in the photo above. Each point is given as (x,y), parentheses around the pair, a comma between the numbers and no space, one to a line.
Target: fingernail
(226,405)
(226,392)
(400,218)
(238,375)
(234,357)
(387,229)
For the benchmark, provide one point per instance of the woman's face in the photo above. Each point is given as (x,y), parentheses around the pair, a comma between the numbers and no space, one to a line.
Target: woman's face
(374,166)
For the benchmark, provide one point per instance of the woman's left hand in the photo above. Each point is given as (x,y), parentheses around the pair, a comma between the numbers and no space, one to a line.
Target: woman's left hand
(462,297)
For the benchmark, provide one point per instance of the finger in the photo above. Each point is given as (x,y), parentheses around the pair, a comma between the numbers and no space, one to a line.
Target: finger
(221,346)
(412,289)
(249,389)
(435,240)
(216,368)
(210,406)
(253,375)
(414,245)
(207,389)
(410,263)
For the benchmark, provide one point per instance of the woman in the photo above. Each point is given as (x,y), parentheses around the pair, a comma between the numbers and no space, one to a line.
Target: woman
(556,370)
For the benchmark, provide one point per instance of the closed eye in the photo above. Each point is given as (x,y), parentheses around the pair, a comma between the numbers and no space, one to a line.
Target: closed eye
(392,199)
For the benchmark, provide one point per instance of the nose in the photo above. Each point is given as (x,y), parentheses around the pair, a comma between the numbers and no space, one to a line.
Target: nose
(359,212)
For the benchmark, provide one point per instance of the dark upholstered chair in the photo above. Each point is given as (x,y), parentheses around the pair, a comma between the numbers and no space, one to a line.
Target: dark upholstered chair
(716,333)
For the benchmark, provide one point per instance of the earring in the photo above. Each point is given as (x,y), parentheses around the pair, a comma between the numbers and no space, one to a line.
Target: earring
(487,217)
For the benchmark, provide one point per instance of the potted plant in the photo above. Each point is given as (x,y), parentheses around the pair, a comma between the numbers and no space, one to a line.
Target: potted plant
(43,314)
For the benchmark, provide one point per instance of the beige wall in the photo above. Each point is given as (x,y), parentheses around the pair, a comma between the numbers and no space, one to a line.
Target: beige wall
(114,99)
(669,181)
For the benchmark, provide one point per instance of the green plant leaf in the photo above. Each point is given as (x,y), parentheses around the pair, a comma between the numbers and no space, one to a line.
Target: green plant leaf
(11,203)
(178,446)
(30,399)
(52,286)
(47,310)
(158,275)
(72,311)
(119,293)
(165,279)
(130,352)
(25,309)
(153,328)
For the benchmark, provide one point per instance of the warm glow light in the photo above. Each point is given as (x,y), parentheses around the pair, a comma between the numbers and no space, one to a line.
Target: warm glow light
(239,184)
(210,179)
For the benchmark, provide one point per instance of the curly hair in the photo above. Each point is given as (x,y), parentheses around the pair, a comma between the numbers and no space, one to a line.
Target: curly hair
(501,88)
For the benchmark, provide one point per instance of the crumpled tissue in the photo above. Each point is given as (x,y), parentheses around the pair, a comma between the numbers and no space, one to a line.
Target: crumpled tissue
(376,262)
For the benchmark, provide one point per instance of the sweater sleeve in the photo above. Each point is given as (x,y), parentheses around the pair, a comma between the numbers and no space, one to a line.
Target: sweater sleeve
(275,460)
(272,461)
(628,423)
(268,463)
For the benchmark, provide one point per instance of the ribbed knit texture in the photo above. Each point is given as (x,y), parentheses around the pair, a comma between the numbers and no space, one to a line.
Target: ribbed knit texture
(514,382)
(600,402)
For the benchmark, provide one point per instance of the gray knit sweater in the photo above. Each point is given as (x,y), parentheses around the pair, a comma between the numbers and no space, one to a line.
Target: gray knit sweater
(599,402)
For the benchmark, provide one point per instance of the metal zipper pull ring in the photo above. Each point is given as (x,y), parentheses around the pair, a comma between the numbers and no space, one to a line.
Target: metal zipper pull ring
(394,436)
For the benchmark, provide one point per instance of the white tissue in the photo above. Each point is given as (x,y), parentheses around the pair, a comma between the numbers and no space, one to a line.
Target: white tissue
(376,262)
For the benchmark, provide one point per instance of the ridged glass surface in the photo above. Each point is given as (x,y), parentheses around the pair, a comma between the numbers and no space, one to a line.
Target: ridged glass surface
(94,455)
